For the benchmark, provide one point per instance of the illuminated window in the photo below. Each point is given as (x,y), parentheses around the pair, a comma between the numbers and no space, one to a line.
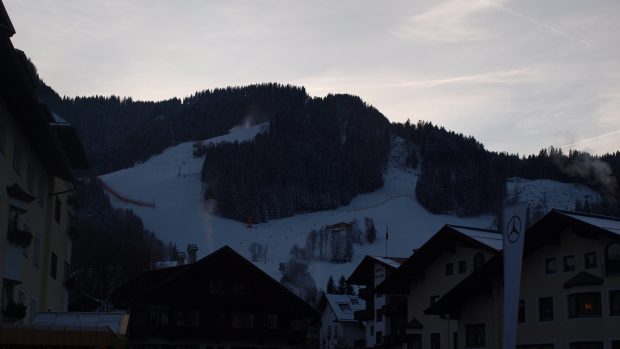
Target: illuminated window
(551,266)
(569,263)
(587,304)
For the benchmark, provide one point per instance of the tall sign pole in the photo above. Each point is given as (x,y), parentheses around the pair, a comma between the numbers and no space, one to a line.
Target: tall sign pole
(513,233)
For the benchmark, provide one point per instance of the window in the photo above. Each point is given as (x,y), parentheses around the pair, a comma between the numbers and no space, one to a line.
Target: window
(462,267)
(475,336)
(36,252)
(435,341)
(379,316)
(612,259)
(545,309)
(192,318)
(33,308)
(586,345)
(271,321)
(242,320)
(345,308)
(478,260)
(614,302)
(17,158)
(434,299)
(449,269)
(216,287)
(551,266)
(455,340)
(237,288)
(615,344)
(569,263)
(587,304)
(521,314)
(372,330)
(57,210)
(179,318)
(379,337)
(42,191)
(590,260)
(53,265)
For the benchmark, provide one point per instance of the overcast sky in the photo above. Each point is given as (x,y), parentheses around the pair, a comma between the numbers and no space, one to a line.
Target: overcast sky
(517,75)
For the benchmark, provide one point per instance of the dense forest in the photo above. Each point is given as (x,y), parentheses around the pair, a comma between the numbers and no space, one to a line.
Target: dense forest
(458,175)
(109,245)
(317,155)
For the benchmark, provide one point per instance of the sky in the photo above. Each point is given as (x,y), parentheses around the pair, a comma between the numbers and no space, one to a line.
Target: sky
(517,75)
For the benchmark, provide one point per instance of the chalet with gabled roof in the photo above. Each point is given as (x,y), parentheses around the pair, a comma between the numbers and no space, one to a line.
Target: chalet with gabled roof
(339,329)
(222,301)
(371,271)
(570,288)
(431,271)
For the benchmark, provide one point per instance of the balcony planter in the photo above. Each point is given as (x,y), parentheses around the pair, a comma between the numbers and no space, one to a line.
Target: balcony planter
(19,237)
(15,311)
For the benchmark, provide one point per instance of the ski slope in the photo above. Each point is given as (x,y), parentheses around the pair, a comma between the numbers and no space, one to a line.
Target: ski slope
(171,180)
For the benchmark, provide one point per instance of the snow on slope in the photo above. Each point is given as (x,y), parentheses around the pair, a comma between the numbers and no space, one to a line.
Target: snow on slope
(181,216)
(545,194)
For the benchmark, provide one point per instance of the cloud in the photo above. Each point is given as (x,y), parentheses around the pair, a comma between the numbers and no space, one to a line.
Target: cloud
(449,21)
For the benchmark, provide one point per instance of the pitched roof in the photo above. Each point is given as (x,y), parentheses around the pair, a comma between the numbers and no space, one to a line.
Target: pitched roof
(546,230)
(6,27)
(364,271)
(583,279)
(151,281)
(343,306)
(444,240)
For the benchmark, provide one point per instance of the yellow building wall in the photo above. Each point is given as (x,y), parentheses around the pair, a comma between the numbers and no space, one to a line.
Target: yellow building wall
(535,283)
(37,286)
(437,283)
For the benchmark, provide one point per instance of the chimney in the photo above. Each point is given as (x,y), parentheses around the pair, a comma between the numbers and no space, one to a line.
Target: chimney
(191,253)
(181,258)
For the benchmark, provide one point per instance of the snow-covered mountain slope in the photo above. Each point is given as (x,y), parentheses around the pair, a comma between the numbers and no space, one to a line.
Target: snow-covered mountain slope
(172,181)
(546,194)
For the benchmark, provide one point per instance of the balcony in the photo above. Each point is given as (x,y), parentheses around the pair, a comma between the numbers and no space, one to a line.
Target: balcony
(18,237)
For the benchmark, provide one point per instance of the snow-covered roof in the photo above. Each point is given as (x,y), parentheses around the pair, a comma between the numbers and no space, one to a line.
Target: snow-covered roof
(391,261)
(344,306)
(493,239)
(116,321)
(59,121)
(610,224)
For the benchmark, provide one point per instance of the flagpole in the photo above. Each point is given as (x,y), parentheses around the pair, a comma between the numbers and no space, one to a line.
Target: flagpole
(386,240)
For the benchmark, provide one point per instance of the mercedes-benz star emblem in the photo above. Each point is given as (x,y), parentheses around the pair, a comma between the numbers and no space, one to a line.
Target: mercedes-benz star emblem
(513,230)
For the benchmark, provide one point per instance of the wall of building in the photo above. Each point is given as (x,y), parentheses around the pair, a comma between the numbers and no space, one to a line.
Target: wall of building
(435,284)
(37,289)
(536,283)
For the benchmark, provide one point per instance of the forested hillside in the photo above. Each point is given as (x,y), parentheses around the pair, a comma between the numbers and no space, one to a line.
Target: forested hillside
(316,156)
(458,175)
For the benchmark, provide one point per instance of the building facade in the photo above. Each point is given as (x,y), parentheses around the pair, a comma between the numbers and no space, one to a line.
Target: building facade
(433,269)
(570,289)
(38,156)
(379,329)
(339,329)
(222,301)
